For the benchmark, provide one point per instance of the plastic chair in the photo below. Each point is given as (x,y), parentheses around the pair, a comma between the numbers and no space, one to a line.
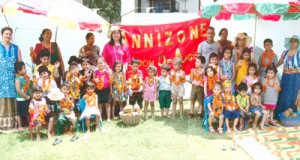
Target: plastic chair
(206,117)
(82,106)
(32,125)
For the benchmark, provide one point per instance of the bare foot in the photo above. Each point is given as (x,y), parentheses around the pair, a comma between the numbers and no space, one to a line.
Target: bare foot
(228,130)
(234,129)
(49,135)
(262,127)
(38,137)
(254,127)
(21,129)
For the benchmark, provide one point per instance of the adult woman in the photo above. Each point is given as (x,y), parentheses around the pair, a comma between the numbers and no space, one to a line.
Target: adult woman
(242,40)
(224,43)
(291,74)
(115,49)
(45,43)
(90,51)
(9,54)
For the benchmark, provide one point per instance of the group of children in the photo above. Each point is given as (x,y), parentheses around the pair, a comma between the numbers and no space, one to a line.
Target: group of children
(99,85)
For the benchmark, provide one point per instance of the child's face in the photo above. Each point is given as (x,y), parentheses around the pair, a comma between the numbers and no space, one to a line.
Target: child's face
(176,66)
(74,71)
(85,65)
(135,67)
(101,64)
(268,46)
(90,89)
(164,73)
(210,72)
(45,61)
(37,95)
(257,90)
(227,54)
(198,63)
(246,56)
(44,75)
(23,70)
(251,71)
(217,90)
(65,90)
(214,60)
(150,73)
(271,74)
(243,93)
(227,89)
(118,67)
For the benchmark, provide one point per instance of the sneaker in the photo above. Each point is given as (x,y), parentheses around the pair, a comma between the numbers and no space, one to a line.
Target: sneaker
(108,120)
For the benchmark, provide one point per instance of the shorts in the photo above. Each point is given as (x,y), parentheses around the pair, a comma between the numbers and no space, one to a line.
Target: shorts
(197,94)
(164,99)
(231,114)
(137,97)
(103,95)
(22,107)
(177,90)
(254,109)
(270,106)
(248,115)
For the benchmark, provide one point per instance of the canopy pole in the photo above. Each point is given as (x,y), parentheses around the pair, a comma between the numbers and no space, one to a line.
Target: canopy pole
(56,33)
(6,20)
(254,37)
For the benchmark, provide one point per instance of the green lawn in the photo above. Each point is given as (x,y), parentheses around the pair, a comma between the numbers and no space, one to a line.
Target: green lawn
(159,138)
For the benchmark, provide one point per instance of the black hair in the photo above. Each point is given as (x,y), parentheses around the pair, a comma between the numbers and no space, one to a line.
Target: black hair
(202,59)
(255,85)
(246,50)
(41,39)
(210,67)
(89,84)
(85,60)
(44,53)
(19,66)
(268,40)
(43,69)
(36,88)
(112,42)
(253,65)
(242,87)
(211,28)
(271,67)
(165,67)
(227,48)
(5,29)
(73,60)
(223,29)
(135,61)
(73,66)
(117,63)
(89,35)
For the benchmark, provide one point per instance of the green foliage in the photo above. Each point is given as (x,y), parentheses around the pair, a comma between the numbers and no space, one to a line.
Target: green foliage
(109,10)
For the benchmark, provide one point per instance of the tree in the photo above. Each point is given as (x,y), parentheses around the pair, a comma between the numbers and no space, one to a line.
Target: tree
(108,9)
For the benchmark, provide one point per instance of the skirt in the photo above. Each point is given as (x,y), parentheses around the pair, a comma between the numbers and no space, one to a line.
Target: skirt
(8,114)
(289,89)
(88,111)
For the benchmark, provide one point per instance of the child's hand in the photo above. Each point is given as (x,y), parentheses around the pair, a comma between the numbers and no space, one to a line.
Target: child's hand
(84,97)
(31,49)
(57,64)
(88,53)
(97,80)
(27,97)
(130,92)
(48,111)
(205,95)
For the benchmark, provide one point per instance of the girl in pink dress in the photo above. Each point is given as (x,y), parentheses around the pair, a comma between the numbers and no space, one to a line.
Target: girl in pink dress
(150,90)
(252,76)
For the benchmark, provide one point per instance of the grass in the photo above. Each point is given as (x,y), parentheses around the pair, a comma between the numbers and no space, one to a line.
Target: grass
(159,138)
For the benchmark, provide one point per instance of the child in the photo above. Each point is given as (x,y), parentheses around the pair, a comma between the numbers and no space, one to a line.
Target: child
(66,107)
(86,74)
(271,88)
(38,110)
(75,83)
(44,56)
(151,90)
(214,62)
(243,103)
(267,57)
(164,90)
(242,65)
(45,81)
(228,67)
(252,76)
(215,107)
(118,86)
(257,107)
(197,92)
(135,84)
(177,79)
(91,107)
(210,79)
(101,80)
(22,83)
(73,60)
(231,109)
